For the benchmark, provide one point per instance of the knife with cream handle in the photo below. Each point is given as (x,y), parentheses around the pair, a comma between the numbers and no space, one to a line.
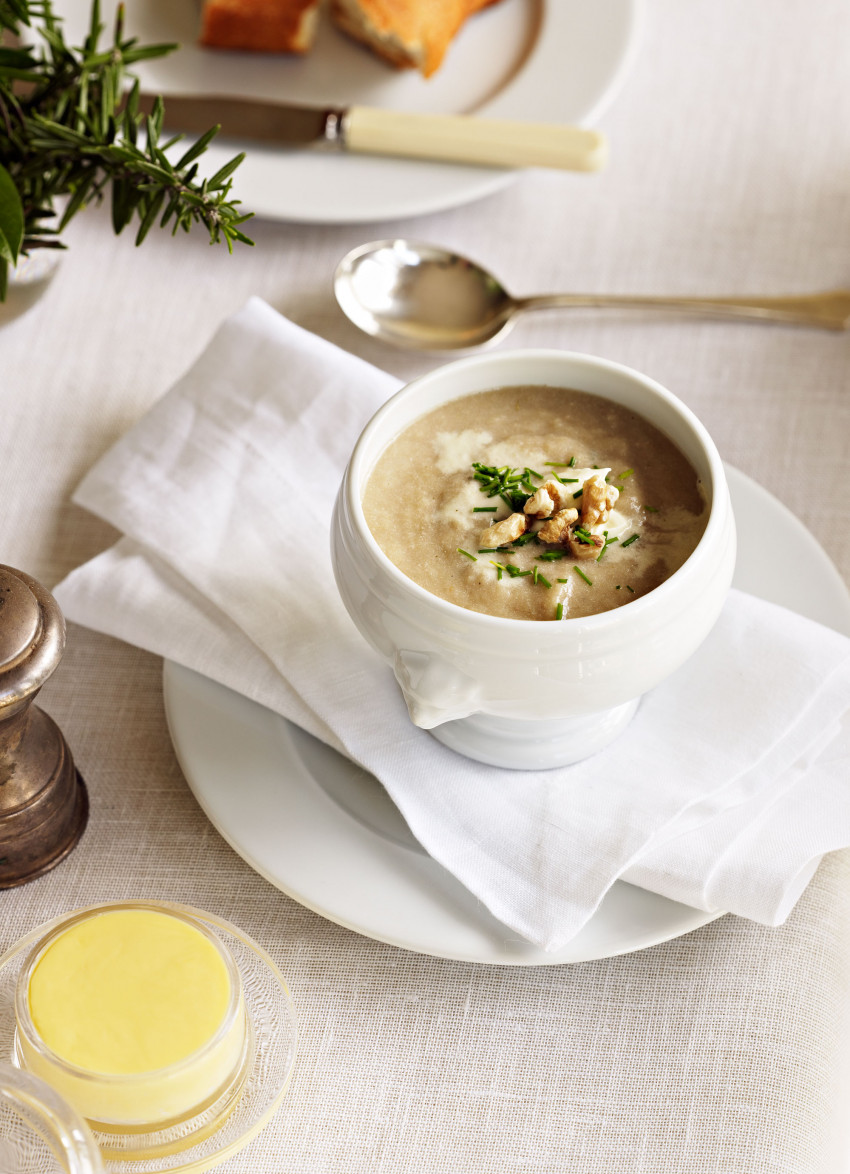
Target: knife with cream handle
(454,138)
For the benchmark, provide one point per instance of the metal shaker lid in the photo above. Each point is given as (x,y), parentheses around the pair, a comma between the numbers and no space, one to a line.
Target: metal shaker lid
(20,618)
(32,637)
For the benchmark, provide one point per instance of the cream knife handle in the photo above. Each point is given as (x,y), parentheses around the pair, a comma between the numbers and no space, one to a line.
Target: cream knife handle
(462,139)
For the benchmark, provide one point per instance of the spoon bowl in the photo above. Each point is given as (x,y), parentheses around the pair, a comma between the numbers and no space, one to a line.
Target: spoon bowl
(422,296)
(427,298)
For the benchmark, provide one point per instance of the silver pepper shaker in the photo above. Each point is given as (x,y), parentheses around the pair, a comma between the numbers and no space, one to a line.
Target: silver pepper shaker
(43,799)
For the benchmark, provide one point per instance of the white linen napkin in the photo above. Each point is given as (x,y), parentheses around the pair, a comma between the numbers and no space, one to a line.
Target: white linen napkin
(725,791)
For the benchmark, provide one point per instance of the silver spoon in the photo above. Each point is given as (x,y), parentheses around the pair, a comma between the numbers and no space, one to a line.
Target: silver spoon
(422,296)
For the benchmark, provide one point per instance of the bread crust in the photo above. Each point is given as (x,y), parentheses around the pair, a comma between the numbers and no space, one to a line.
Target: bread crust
(264,26)
(410,34)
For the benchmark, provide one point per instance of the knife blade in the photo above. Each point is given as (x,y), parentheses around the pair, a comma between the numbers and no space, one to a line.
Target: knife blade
(453,138)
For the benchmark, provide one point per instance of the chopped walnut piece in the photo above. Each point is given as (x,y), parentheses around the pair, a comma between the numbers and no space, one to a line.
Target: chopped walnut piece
(561,494)
(582,550)
(557,527)
(597,501)
(540,504)
(505,531)
(549,498)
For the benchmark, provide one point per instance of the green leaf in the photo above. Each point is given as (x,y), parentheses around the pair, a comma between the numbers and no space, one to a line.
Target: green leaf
(196,149)
(149,217)
(11,218)
(221,175)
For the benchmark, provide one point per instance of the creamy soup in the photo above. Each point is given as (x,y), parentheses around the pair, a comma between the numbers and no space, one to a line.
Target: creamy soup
(535,503)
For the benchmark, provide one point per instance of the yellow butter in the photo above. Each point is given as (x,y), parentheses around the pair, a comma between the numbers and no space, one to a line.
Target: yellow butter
(128,992)
(139,1005)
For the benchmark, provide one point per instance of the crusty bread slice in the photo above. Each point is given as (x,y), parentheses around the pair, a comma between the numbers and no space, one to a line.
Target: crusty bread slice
(409,33)
(266,26)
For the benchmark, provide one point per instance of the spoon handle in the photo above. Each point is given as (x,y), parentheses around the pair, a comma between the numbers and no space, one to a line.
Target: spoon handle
(829,310)
(464,139)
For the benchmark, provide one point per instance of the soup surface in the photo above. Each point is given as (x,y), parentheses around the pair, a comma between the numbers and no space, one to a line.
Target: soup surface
(535,503)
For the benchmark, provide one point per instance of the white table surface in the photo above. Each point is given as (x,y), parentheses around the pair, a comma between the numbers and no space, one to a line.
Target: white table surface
(722,1051)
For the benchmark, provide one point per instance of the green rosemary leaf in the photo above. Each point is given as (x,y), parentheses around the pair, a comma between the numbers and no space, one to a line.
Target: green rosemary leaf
(197,149)
(73,135)
(217,181)
(11,218)
(150,216)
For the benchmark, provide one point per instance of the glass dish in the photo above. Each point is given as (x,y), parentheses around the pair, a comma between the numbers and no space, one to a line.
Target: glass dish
(220,1128)
(39,1132)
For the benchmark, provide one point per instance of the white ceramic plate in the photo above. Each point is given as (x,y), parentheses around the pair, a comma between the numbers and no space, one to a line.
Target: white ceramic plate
(534,60)
(326,832)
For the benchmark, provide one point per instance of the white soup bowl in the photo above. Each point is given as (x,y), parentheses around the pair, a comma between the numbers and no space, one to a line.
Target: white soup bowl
(530,694)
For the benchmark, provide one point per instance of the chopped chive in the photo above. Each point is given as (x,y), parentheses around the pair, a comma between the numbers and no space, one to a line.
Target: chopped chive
(651,509)
(551,555)
(556,465)
(628,588)
(608,542)
(617,588)
(499,567)
(562,580)
(580,572)
(629,541)
(560,480)
(542,579)
(571,463)
(559,612)
(578,493)
(489,550)
(626,473)
(466,554)
(569,480)
(484,509)
(531,473)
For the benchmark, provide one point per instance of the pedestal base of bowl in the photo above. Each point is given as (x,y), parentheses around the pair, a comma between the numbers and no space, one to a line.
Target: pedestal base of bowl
(520,744)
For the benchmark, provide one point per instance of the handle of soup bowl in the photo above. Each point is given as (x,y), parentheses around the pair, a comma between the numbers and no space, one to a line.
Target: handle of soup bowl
(434,690)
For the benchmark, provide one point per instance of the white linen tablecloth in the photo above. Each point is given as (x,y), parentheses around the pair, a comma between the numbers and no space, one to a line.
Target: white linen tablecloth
(726,1050)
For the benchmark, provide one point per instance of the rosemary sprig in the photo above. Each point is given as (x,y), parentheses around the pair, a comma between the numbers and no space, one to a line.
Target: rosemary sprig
(69,129)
